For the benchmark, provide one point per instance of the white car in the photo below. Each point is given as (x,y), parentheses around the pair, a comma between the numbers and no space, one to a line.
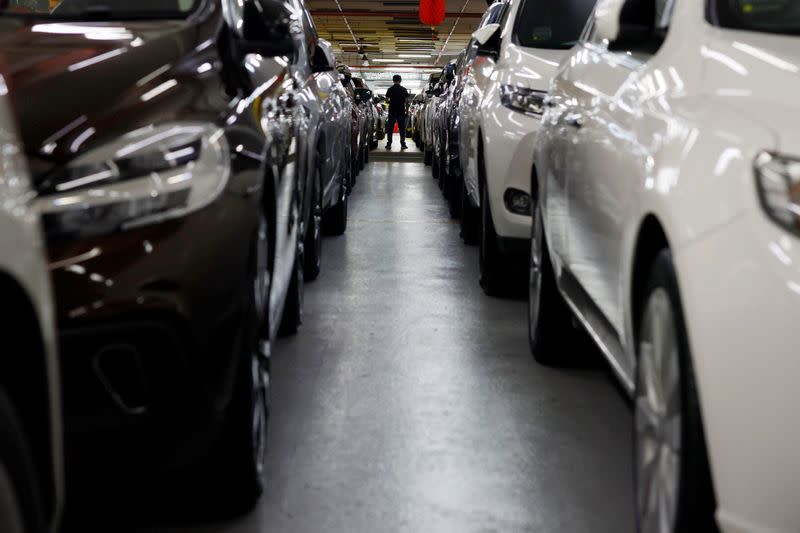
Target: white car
(31,457)
(667,216)
(500,114)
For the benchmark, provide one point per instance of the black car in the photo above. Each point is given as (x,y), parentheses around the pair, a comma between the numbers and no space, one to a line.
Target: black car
(164,139)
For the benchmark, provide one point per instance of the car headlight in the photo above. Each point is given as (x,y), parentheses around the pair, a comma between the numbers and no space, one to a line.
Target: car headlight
(147,176)
(523,100)
(778,179)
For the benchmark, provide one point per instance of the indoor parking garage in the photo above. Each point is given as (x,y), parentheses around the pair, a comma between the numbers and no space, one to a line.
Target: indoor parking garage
(399,266)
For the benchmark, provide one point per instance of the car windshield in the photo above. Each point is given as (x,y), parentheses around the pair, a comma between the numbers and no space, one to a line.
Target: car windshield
(98,9)
(548,24)
(772,16)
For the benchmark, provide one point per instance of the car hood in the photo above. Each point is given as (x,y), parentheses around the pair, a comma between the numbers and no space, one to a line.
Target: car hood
(758,75)
(530,67)
(75,84)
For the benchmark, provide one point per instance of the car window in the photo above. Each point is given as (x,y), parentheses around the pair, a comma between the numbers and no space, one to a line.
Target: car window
(553,25)
(768,16)
(94,9)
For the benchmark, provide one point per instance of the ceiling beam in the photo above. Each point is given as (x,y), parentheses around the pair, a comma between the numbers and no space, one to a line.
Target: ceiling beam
(384,14)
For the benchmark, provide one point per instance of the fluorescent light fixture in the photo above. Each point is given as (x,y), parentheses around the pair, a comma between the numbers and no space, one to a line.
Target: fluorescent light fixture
(411,56)
(388,60)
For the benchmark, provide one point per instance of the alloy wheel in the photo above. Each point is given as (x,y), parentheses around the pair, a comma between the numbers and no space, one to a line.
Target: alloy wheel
(535,276)
(261,283)
(658,418)
(259,362)
(316,218)
(260,410)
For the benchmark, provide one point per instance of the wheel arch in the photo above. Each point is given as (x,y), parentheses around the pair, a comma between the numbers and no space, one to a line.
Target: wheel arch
(25,378)
(651,239)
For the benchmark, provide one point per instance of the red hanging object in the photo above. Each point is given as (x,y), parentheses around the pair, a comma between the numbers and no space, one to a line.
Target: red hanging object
(431,12)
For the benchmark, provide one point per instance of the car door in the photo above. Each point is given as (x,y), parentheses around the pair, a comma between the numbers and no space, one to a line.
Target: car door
(605,159)
(477,77)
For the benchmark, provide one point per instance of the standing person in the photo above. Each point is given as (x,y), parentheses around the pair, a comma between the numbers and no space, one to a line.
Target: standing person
(397,95)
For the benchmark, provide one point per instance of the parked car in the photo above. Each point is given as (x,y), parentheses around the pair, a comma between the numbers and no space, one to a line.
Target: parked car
(426,116)
(415,119)
(31,452)
(466,119)
(330,170)
(364,98)
(380,118)
(666,206)
(501,108)
(359,122)
(448,75)
(433,96)
(163,143)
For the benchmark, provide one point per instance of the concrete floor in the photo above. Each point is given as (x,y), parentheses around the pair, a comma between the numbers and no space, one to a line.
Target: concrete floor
(409,402)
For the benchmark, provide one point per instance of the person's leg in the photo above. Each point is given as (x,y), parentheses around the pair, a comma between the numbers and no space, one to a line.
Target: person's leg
(390,129)
(402,124)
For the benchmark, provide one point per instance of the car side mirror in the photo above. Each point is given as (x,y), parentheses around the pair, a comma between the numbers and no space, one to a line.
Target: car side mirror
(260,29)
(488,40)
(323,59)
(625,24)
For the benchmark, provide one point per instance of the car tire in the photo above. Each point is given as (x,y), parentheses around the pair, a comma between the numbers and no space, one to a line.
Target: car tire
(470,218)
(493,278)
(313,237)
(293,308)
(236,465)
(551,336)
(664,371)
(454,195)
(443,175)
(334,221)
(20,500)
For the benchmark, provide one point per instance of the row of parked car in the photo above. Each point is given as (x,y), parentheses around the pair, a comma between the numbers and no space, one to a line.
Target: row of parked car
(637,162)
(167,171)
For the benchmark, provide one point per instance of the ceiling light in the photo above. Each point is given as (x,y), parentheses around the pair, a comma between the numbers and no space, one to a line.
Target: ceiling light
(412,56)
(388,60)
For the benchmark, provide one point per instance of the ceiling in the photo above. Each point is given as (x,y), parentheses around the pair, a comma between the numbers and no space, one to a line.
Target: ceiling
(393,39)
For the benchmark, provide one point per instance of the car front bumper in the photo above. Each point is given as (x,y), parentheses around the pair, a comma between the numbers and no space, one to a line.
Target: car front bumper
(149,321)
(741,291)
(509,138)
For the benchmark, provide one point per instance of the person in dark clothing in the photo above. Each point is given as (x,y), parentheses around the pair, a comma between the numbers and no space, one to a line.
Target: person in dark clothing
(397,95)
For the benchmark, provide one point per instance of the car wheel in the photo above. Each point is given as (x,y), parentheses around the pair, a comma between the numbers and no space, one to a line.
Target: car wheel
(551,336)
(470,218)
(493,280)
(672,479)
(20,504)
(293,308)
(443,176)
(454,194)
(237,462)
(335,219)
(313,244)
